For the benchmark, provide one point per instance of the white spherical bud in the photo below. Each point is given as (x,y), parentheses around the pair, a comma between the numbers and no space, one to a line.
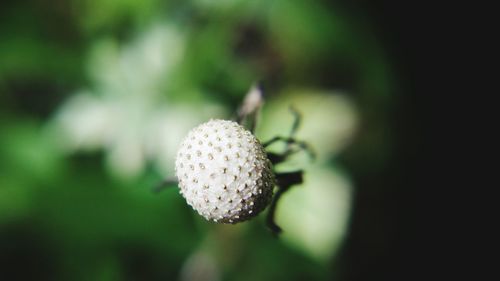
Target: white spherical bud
(223,172)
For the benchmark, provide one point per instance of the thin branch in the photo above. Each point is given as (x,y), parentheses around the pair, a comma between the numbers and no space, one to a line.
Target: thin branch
(278,158)
(284,182)
(249,109)
(297,119)
(166,183)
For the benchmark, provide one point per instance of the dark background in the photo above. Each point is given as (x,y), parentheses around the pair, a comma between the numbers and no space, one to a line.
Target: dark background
(398,251)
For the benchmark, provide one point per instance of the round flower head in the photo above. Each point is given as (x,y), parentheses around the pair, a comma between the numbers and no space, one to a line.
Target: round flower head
(223,172)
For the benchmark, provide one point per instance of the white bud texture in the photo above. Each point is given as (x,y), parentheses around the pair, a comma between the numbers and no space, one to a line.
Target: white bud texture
(223,172)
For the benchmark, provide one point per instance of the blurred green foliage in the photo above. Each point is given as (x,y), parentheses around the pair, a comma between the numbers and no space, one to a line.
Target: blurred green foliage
(96,95)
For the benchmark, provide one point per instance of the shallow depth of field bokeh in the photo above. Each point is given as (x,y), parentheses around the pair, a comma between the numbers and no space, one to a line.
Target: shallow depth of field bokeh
(95,97)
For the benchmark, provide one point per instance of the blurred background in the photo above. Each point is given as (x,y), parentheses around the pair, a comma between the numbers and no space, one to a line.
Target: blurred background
(96,95)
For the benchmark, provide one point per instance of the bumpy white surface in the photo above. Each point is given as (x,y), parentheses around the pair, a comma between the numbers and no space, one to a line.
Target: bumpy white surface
(223,172)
